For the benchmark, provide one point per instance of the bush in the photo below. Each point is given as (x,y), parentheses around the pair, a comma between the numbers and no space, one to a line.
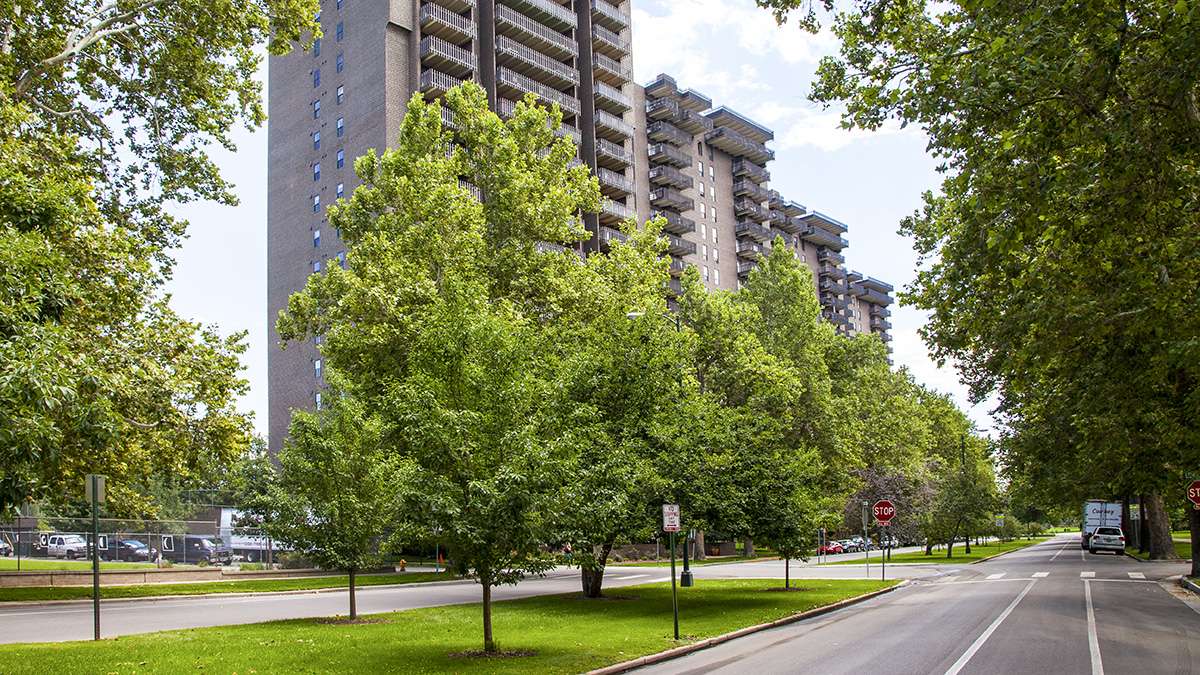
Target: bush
(203,563)
(616,557)
(294,560)
(249,567)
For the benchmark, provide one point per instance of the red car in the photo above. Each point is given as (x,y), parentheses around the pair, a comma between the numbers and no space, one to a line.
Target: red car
(831,547)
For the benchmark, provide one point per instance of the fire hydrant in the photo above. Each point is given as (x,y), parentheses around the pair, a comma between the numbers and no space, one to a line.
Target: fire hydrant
(403,564)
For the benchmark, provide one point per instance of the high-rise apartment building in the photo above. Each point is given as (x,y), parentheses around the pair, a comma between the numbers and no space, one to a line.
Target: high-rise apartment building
(654,149)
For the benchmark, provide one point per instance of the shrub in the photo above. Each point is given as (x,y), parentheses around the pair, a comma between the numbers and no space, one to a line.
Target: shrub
(294,560)
(249,567)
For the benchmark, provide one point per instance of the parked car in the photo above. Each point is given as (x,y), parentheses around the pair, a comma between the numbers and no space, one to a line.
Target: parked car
(850,546)
(5,548)
(131,550)
(1107,539)
(68,546)
(194,549)
(832,547)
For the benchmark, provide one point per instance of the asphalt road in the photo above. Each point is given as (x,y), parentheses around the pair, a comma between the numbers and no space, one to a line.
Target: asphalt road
(1048,608)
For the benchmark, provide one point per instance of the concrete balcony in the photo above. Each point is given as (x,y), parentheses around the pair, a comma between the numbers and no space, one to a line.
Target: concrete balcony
(789,208)
(446,25)
(527,31)
(750,190)
(750,250)
(693,122)
(534,64)
(506,109)
(828,300)
(664,132)
(855,288)
(880,324)
(832,286)
(745,268)
(452,60)
(671,177)
(612,127)
(674,288)
(610,71)
(669,198)
(835,318)
(738,145)
(876,298)
(677,267)
(456,6)
(609,235)
(508,81)
(747,208)
(661,153)
(880,311)
(875,284)
(615,212)
(612,18)
(751,229)
(609,43)
(614,184)
(831,271)
(612,155)
(744,126)
(546,12)
(827,256)
(679,247)
(611,99)
(787,238)
(675,223)
(744,168)
(820,237)
(435,83)
(824,222)
(793,225)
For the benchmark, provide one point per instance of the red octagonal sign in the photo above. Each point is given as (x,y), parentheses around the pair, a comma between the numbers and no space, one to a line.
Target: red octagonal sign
(884,511)
(1193,493)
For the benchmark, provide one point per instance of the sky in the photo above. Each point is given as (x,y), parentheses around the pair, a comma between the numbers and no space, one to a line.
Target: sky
(728,50)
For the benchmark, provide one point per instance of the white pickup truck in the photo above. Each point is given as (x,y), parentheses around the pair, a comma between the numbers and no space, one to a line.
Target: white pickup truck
(66,546)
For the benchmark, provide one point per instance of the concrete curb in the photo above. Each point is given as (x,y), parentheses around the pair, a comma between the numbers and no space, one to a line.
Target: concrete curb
(712,642)
(357,588)
(1188,584)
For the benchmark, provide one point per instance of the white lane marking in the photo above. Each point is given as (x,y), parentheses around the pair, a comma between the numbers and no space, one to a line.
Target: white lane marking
(1136,575)
(1040,575)
(962,660)
(1087,575)
(996,576)
(1093,636)
(632,576)
(1065,547)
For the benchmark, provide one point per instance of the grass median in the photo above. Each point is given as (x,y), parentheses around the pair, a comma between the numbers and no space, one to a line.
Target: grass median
(978,552)
(43,564)
(568,634)
(44,593)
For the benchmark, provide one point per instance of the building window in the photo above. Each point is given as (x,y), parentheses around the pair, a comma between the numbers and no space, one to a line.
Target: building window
(717,276)
(316,78)
(341,127)
(716,258)
(340,62)
(714,212)
(318,400)
(317,47)
(339,4)
(316,238)
(702,169)
(317,141)
(316,203)
(317,171)
(703,231)
(710,154)
(341,157)
(705,274)
(712,172)
(341,96)
(339,31)
(702,214)
(700,151)
(702,189)
(714,230)
(316,267)
(316,109)
(704,252)
(341,190)
(317,368)
(341,258)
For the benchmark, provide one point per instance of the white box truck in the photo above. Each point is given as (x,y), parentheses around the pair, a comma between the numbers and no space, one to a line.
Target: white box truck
(1098,514)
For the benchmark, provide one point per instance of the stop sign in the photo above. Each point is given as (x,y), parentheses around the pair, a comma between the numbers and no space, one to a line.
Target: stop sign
(884,511)
(1193,493)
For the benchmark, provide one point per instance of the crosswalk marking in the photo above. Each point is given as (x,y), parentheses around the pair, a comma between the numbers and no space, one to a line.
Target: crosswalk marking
(1087,575)
(1039,575)
(1136,575)
(996,576)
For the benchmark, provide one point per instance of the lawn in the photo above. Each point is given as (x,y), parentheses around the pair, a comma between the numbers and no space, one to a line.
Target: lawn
(43,593)
(40,564)
(568,634)
(978,552)
(1182,548)
(693,563)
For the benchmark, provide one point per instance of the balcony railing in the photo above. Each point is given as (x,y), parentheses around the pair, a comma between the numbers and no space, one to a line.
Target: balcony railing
(616,181)
(441,22)
(675,223)
(669,198)
(745,207)
(610,70)
(748,169)
(506,77)
(550,13)
(662,153)
(614,124)
(749,228)
(521,58)
(609,235)
(693,122)
(752,250)
(746,188)
(615,153)
(679,247)
(668,175)
(876,298)
(446,57)
(881,286)
(855,288)
(880,311)
(457,6)
(437,83)
(745,268)
(609,43)
(835,318)
(677,267)
(833,301)
(830,257)
(832,286)
(547,39)
(608,16)
(787,238)
(612,99)
(793,225)
(616,212)
(674,287)
(665,132)
(831,271)
(738,145)
(821,237)
(880,324)
(662,108)
(506,109)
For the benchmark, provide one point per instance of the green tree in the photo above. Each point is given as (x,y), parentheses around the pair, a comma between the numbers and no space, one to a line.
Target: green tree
(443,325)
(336,491)
(1062,250)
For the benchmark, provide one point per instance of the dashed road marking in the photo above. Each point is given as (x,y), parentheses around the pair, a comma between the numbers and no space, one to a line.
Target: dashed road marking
(996,576)
(1039,575)
(1087,575)
(1136,575)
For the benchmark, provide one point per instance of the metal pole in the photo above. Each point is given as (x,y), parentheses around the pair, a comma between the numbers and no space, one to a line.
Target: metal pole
(674,595)
(866,539)
(883,540)
(96,553)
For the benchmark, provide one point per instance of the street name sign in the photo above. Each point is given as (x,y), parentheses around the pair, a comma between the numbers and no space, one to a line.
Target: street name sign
(884,511)
(671,518)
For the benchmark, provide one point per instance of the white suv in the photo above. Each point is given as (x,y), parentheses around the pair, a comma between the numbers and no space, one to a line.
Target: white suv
(66,546)
(1107,539)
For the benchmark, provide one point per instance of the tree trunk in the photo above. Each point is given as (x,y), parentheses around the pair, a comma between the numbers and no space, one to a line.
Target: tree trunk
(787,572)
(1194,521)
(928,547)
(967,541)
(1143,527)
(1161,546)
(591,576)
(489,645)
(700,553)
(748,548)
(353,608)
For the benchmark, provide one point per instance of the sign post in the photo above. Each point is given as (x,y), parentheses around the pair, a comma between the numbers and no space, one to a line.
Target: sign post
(93,488)
(883,511)
(1193,494)
(671,525)
(866,539)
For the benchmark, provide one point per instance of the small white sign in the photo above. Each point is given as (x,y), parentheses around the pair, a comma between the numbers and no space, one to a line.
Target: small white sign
(671,518)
